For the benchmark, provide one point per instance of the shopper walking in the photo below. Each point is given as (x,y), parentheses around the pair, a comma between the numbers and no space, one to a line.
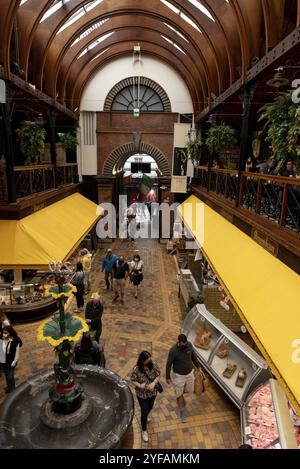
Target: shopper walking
(136,273)
(78,281)
(182,358)
(86,260)
(11,344)
(93,315)
(107,267)
(145,377)
(121,271)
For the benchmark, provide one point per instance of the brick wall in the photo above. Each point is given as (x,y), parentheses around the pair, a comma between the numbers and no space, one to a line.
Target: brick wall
(230,318)
(115,129)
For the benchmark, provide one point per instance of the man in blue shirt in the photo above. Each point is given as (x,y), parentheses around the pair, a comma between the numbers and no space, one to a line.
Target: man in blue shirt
(107,267)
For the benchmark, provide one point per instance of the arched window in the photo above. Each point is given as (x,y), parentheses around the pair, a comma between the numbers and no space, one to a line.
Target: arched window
(137,96)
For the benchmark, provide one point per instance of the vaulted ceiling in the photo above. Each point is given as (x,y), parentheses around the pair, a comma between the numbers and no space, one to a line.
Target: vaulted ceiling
(58,45)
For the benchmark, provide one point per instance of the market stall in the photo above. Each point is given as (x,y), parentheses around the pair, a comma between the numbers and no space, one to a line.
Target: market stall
(52,233)
(246,379)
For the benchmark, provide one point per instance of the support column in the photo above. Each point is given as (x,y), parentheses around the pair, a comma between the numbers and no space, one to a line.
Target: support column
(105,188)
(6,137)
(246,97)
(18,276)
(51,114)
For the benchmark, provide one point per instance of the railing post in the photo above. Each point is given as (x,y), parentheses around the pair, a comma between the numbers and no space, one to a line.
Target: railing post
(241,189)
(44,183)
(226,185)
(258,197)
(283,204)
(30,181)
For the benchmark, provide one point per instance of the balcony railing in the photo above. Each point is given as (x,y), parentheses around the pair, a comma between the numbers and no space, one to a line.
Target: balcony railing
(30,180)
(273,197)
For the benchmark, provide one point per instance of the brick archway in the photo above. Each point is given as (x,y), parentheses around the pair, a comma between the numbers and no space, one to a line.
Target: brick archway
(117,158)
(143,81)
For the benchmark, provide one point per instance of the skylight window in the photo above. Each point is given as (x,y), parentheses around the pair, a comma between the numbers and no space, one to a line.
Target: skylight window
(188,20)
(79,13)
(202,8)
(177,32)
(100,53)
(173,44)
(89,31)
(172,7)
(95,43)
(56,6)
(181,14)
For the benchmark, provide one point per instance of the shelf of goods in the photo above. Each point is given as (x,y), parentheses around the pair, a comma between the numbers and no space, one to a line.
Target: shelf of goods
(241,373)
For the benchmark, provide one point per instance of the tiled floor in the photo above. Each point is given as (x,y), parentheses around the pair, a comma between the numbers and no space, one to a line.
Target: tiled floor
(151,322)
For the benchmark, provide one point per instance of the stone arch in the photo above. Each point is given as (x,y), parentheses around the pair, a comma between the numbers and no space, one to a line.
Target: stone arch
(117,158)
(143,81)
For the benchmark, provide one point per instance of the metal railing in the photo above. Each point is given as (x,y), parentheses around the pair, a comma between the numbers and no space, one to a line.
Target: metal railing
(33,179)
(276,198)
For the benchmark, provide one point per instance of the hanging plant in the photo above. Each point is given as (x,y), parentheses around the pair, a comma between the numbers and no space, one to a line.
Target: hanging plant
(220,138)
(282,122)
(68,141)
(194,149)
(32,140)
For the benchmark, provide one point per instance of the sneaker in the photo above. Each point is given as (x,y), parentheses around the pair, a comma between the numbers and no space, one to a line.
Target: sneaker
(145,436)
(135,296)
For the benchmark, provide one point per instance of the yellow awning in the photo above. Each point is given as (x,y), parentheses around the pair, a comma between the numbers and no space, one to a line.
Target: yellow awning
(51,233)
(264,291)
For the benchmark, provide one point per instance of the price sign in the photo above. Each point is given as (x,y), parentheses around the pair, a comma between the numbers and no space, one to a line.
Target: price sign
(247,431)
(254,366)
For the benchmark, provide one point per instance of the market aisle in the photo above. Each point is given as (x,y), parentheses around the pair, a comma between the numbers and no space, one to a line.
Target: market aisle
(152,322)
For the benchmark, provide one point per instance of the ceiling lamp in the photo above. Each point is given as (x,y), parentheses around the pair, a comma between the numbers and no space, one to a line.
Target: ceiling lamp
(278,81)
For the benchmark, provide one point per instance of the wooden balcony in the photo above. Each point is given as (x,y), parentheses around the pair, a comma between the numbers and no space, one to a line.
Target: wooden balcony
(265,207)
(38,186)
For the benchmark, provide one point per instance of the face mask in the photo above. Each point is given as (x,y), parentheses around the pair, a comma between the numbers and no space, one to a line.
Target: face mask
(136,260)
(150,365)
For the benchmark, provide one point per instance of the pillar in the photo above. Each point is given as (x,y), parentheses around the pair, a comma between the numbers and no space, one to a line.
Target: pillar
(7,165)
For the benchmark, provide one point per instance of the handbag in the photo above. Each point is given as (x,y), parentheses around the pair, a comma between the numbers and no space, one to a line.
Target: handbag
(199,386)
(159,387)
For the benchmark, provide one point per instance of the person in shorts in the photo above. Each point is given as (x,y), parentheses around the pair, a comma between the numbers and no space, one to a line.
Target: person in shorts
(181,359)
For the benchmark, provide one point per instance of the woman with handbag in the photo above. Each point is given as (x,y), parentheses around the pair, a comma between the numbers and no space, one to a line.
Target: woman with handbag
(136,272)
(145,378)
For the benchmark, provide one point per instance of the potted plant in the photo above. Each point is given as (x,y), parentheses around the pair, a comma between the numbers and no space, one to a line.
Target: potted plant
(282,123)
(194,148)
(68,141)
(220,138)
(32,140)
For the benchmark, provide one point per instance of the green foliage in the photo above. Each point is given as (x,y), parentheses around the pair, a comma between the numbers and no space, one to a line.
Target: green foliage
(229,164)
(32,140)
(194,148)
(282,122)
(220,138)
(68,141)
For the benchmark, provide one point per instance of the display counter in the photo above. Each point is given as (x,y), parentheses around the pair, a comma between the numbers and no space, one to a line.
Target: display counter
(228,360)
(188,286)
(266,420)
(26,302)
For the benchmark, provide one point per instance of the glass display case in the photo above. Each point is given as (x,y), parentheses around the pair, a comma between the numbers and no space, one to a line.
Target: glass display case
(26,301)
(228,360)
(188,285)
(266,419)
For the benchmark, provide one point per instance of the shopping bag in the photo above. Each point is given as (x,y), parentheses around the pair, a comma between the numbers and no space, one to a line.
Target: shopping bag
(199,386)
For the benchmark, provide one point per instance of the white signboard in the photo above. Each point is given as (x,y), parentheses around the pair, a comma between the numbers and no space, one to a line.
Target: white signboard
(179,184)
